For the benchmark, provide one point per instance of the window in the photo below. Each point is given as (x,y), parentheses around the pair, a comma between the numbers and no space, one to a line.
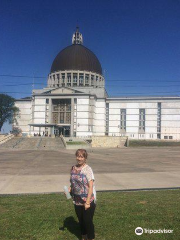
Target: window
(55,108)
(159,118)
(87,79)
(92,80)
(69,79)
(123,120)
(47,100)
(63,78)
(165,137)
(107,119)
(61,111)
(55,117)
(142,120)
(61,117)
(90,128)
(159,136)
(81,79)
(68,117)
(170,137)
(74,79)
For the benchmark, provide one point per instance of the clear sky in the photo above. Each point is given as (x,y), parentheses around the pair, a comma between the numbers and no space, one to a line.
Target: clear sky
(136,41)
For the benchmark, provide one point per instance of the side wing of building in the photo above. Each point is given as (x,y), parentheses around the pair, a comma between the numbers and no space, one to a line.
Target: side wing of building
(144,117)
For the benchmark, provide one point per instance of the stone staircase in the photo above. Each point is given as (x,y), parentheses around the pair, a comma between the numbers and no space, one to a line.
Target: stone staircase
(12,143)
(5,137)
(50,143)
(33,143)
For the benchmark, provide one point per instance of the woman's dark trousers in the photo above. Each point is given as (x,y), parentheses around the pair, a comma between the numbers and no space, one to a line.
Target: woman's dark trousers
(85,218)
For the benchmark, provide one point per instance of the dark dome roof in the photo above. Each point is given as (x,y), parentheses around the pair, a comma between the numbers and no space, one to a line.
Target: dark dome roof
(76,57)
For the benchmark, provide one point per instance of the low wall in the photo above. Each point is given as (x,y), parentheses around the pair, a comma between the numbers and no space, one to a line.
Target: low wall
(65,141)
(108,141)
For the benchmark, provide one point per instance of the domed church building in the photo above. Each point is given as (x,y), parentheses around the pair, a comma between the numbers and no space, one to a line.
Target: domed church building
(75,103)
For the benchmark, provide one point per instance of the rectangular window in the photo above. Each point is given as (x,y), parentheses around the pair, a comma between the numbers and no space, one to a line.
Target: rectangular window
(61,111)
(107,119)
(165,137)
(81,79)
(123,120)
(92,80)
(159,118)
(69,79)
(87,79)
(68,117)
(63,77)
(55,117)
(90,128)
(159,136)
(142,120)
(61,117)
(55,108)
(74,79)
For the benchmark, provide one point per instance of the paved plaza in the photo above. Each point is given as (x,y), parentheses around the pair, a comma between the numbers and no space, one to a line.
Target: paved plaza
(34,171)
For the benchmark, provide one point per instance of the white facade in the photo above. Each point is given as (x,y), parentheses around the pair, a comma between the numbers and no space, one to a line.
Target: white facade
(92,116)
(168,120)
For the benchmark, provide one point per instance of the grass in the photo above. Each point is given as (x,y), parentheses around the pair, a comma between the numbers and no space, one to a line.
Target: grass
(76,143)
(52,217)
(146,143)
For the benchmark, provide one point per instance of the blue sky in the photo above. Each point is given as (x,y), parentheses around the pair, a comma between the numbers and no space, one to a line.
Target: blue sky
(137,43)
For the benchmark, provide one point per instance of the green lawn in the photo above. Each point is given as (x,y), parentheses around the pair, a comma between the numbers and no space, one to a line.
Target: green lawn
(52,217)
(146,143)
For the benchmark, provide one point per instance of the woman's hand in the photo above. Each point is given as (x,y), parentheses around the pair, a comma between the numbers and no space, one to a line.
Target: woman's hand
(86,206)
(69,189)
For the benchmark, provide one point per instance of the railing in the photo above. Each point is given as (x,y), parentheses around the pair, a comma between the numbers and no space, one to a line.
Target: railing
(63,141)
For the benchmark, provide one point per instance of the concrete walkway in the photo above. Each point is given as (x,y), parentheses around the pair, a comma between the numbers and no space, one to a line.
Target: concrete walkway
(31,171)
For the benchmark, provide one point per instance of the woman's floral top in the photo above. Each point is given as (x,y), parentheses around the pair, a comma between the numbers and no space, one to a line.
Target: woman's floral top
(80,177)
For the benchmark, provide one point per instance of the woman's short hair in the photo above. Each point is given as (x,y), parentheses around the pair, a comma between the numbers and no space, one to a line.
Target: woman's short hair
(81,152)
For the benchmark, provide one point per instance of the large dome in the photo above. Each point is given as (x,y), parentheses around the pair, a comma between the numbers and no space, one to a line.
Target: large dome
(76,57)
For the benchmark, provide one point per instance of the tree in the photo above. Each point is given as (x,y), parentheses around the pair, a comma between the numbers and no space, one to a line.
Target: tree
(16,131)
(7,109)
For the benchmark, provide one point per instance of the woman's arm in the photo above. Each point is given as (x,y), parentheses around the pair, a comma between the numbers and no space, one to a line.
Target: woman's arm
(87,204)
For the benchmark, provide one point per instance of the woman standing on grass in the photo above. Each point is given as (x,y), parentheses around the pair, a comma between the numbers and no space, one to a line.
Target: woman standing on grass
(83,192)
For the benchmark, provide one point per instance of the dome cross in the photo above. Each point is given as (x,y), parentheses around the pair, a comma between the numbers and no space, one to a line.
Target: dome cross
(77,37)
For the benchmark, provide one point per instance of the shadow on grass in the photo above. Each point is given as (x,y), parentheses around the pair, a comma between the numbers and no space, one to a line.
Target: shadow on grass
(72,226)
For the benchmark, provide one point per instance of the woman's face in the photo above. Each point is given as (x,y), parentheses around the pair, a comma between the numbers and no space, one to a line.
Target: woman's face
(80,160)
